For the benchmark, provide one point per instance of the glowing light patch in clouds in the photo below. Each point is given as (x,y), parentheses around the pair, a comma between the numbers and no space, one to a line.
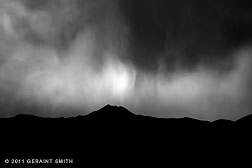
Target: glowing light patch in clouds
(70,84)
(42,75)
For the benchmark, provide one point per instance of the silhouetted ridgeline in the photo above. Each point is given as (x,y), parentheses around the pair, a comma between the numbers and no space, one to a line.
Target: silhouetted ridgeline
(23,131)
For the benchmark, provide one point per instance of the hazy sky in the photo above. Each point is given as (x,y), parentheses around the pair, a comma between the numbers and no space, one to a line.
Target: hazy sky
(164,58)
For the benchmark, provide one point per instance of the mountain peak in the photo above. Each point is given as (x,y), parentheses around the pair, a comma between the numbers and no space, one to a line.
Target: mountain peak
(112,112)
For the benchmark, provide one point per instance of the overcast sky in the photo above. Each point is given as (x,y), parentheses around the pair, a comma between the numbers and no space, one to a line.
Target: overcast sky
(163,58)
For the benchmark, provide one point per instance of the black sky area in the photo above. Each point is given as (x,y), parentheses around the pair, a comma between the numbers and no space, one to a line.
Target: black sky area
(183,34)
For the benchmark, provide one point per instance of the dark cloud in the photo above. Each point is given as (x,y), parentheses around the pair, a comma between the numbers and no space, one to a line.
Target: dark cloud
(181,34)
(164,58)
(66,20)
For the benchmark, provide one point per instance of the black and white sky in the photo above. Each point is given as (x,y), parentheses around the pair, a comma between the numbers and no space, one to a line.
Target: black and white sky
(162,58)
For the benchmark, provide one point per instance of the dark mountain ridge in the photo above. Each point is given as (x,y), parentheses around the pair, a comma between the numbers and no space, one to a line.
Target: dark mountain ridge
(26,131)
(119,114)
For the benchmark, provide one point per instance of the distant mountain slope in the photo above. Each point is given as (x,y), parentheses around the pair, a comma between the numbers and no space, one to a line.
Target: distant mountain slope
(120,114)
(27,131)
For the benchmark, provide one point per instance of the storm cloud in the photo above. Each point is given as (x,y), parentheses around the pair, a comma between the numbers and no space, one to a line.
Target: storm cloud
(156,57)
(181,34)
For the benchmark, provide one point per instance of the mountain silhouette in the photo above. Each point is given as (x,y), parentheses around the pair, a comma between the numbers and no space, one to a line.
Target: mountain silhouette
(112,113)
(119,115)
(24,131)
